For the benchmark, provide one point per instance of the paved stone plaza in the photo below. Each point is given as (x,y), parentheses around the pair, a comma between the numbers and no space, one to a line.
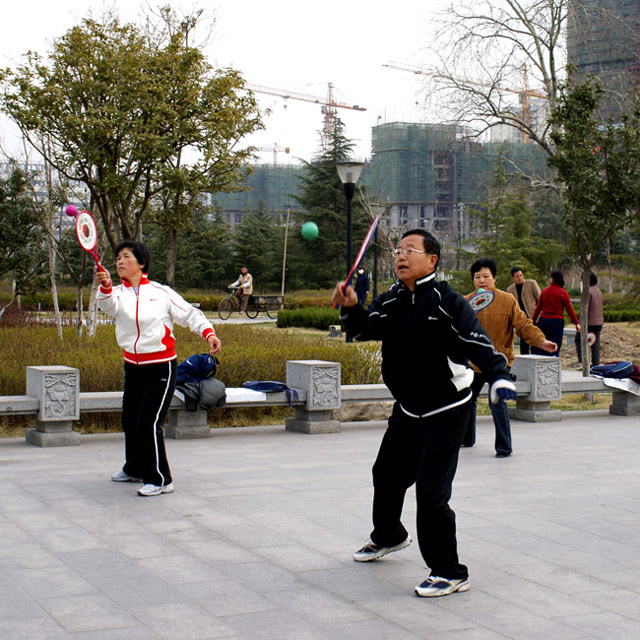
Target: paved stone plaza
(256,541)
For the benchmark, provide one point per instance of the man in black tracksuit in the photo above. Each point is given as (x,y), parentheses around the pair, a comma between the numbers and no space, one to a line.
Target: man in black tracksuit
(428,334)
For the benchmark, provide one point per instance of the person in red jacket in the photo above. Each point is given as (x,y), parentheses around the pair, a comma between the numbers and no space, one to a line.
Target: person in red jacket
(549,312)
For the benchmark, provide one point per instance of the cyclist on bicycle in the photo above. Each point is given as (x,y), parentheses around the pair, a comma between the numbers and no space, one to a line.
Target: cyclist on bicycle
(243,288)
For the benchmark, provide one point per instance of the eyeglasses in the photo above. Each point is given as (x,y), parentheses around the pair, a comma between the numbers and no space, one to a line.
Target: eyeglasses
(407,252)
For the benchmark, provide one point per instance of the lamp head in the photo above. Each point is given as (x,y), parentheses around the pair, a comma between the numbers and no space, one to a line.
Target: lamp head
(349,171)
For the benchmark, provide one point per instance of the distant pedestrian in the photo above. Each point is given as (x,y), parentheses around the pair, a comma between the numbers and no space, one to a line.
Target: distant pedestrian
(362,286)
(527,293)
(549,312)
(596,320)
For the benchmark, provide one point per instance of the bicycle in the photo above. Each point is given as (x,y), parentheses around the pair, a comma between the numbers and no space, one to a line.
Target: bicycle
(270,304)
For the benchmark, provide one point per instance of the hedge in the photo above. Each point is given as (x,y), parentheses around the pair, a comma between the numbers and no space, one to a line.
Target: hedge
(248,353)
(621,315)
(308,317)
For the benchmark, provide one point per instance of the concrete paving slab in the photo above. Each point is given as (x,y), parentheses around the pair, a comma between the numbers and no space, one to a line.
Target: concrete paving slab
(139,632)
(87,612)
(256,541)
(183,619)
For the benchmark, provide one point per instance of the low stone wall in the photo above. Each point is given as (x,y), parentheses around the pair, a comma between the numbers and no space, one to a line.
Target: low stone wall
(322,404)
(364,411)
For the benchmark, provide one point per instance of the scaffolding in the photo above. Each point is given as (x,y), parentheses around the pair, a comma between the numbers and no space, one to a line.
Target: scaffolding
(603,40)
(271,187)
(425,175)
(430,175)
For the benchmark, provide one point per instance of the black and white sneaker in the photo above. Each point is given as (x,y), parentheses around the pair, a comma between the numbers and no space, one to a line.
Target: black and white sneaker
(121,476)
(371,551)
(433,587)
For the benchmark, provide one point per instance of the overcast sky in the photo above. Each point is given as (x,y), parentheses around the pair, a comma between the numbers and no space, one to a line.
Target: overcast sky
(283,44)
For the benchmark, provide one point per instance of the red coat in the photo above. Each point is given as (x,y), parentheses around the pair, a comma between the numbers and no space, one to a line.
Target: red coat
(552,303)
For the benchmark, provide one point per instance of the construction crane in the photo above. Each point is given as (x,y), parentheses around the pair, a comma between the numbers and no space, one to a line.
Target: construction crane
(525,94)
(328,106)
(275,148)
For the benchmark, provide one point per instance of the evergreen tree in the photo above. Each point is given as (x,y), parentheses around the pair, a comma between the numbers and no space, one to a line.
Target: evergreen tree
(546,208)
(204,255)
(258,244)
(509,235)
(220,269)
(22,255)
(321,262)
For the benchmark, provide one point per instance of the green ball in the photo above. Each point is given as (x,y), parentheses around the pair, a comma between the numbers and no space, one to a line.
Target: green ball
(309,231)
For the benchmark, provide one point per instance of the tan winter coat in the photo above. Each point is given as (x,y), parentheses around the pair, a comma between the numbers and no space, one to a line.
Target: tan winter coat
(504,316)
(530,295)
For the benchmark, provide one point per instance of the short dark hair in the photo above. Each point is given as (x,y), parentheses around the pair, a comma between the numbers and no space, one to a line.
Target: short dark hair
(558,278)
(431,245)
(515,270)
(489,263)
(139,250)
(593,279)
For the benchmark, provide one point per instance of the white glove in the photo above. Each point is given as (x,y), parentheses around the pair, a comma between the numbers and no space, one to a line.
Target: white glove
(502,390)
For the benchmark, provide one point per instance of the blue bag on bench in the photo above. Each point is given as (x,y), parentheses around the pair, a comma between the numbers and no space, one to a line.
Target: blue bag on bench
(270,386)
(195,379)
(198,366)
(618,369)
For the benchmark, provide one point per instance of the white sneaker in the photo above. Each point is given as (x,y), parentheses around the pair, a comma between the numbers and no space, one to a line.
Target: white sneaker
(121,476)
(434,587)
(154,489)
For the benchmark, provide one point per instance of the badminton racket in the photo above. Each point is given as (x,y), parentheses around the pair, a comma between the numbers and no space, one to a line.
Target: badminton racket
(86,232)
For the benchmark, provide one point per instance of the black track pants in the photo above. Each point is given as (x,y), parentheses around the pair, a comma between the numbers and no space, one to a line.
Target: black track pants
(148,390)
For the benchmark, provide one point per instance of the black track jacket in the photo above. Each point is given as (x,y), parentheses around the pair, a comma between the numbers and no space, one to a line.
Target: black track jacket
(428,336)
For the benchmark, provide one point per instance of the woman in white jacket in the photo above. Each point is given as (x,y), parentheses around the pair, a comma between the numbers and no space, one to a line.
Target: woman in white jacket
(144,312)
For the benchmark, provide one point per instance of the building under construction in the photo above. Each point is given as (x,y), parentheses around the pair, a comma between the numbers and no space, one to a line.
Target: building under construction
(430,175)
(269,187)
(424,175)
(603,40)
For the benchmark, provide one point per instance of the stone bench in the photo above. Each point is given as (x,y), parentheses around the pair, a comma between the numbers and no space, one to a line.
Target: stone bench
(19,405)
(380,392)
(539,381)
(316,383)
(54,398)
(548,384)
(53,395)
(57,390)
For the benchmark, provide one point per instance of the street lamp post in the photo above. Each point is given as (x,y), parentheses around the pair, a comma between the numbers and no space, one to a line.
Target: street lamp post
(349,173)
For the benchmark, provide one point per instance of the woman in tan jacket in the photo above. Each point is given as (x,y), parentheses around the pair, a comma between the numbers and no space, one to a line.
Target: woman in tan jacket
(500,320)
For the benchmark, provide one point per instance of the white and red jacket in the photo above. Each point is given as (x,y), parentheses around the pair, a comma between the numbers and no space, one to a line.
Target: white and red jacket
(144,319)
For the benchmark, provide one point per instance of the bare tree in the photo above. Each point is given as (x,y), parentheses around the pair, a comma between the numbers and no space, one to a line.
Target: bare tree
(46,211)
(501,62)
